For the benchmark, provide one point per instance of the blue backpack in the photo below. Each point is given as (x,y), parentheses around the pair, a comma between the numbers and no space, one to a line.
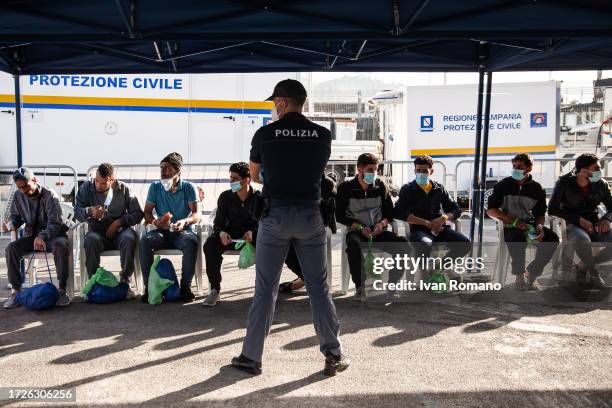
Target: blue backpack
(102,294)
(42,296)
(165,269)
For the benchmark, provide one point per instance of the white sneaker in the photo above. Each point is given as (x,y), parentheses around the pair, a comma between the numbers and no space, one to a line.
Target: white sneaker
(212,299)
(360,295)
(11,302)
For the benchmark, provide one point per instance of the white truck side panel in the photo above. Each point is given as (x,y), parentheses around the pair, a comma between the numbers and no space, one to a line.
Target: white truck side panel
(8,143)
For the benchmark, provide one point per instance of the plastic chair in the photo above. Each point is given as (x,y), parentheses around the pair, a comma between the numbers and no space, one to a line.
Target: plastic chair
(68,219)
(201,234)
(345,274)
(209,229)
(81,230)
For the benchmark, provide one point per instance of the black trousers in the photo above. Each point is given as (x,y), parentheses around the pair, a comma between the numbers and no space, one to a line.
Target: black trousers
(292,262)
(517,245)
(354,239)
(214,250)
(17,249)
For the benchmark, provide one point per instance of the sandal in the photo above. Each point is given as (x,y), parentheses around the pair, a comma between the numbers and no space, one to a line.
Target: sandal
(530,283)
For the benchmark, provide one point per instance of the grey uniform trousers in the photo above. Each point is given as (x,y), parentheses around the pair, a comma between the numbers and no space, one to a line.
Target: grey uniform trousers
(302,226)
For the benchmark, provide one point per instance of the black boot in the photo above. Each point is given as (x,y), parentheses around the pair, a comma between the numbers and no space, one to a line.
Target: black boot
(186,295)
(246,364)
(335,364)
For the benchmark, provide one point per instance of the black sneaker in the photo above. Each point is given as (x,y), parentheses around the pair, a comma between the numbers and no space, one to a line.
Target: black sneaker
(186,295)
(246,364)
(597,281)
(145,296)
(581,277)
(335,364)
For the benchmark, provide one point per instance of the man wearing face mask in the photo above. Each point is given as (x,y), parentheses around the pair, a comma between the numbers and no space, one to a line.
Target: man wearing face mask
(109,209)
(236,218)
(520,203)
(293,151)
(175,203)
(364,205)
(37,208)
(427,206)
(576,197)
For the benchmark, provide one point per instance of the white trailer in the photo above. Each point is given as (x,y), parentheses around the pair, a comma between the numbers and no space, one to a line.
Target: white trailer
(440,121)
(82,120)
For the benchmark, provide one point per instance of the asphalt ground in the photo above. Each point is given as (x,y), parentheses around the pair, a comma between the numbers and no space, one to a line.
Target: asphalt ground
(430,350)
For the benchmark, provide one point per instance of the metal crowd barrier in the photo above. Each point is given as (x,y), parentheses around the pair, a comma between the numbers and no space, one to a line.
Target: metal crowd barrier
(539,173)
(212,178)
(60,178)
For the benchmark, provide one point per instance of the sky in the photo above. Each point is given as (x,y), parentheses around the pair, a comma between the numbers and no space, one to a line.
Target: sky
(569,78)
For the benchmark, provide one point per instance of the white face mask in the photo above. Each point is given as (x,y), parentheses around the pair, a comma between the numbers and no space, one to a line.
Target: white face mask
(167,183)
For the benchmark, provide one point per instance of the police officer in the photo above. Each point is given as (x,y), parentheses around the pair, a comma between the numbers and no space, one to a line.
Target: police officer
(294,152)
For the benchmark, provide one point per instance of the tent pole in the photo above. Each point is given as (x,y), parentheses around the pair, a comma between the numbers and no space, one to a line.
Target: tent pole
(485,153)
(475,184)
(18,120)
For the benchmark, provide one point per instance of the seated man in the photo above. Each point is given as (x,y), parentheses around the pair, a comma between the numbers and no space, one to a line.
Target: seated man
(575,199)
(237,217)
(364,205)
(110,211)
(328,208)
(519,202)
(427,206)
(176,204)
(39,209)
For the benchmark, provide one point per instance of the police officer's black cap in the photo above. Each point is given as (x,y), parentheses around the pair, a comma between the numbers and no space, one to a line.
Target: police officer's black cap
(288,88)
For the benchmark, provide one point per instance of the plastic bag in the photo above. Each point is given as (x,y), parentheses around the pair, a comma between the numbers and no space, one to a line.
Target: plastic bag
(101,294)
(530,233)
(102,277)
(165,269)
(103,287)
(39,297)
(157,284)
(247,254)
(439,278)
(368,261)
(42,296)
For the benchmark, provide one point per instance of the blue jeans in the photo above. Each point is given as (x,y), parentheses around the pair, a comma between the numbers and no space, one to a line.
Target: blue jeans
(184,241)
(303,227)
(581,241)
(423,241)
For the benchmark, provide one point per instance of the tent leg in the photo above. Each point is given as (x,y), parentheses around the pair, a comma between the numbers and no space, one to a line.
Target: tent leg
(18,120)
(475,184)
(485,148)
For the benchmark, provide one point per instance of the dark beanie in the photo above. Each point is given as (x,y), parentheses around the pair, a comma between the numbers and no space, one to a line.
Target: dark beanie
(175,160)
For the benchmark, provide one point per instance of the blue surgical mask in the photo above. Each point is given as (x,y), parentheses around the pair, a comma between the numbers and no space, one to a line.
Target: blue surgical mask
(235,186)
(518,174)
(422,179)
(595,177)
(369,178)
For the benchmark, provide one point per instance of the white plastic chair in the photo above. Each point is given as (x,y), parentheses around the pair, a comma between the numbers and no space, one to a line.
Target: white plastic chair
(345,274)
(201,234)
(81,230)
(209,229)
(68,219)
